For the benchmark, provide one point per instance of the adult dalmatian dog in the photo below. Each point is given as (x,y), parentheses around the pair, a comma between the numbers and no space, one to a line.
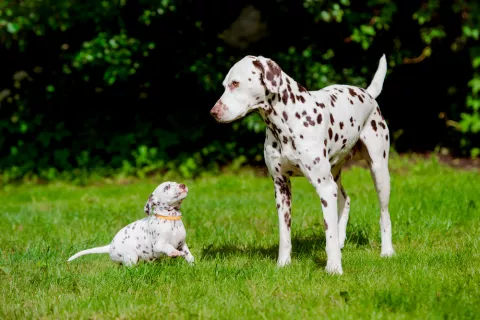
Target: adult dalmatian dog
(313,134)
(160,233)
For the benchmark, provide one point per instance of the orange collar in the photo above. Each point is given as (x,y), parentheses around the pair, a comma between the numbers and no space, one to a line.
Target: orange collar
(168,217)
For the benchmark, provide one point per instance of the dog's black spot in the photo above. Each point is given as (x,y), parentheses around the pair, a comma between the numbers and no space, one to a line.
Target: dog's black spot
(324,202)
(319,118)
(284,96)
(310,121)
(301,88)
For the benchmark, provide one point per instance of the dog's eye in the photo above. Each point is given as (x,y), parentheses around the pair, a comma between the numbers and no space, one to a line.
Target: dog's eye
(234,84)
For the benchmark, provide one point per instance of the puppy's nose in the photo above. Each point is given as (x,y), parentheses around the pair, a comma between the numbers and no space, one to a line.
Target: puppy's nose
(182,186)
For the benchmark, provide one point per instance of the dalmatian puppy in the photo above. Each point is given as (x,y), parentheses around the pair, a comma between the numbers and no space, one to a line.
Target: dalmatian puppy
(313,134)
(161,232)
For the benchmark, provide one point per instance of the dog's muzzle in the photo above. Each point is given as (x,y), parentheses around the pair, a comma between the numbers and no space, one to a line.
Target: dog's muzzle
(183,187)
(218,110)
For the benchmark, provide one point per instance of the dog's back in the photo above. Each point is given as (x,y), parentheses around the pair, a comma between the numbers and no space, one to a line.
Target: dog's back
(350,109)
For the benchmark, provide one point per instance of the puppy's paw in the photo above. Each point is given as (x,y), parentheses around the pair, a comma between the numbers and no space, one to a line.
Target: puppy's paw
(176,253)
(190,259)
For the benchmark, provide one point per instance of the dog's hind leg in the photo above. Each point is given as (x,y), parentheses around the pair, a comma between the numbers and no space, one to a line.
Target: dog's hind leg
(129,258)
(343,204)
(167,249)
(375,149)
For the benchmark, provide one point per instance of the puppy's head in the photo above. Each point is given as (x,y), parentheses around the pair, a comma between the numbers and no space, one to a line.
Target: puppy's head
(167,196)
(247,85)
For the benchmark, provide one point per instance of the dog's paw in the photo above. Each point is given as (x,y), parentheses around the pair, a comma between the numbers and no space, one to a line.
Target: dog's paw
(129,264)
(282,262)
(176,253)
(334,268)
(387,253)
(190,259)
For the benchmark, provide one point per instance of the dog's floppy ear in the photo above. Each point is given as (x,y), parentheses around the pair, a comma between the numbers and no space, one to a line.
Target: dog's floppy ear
(271,73)
(149,205)
(224,83)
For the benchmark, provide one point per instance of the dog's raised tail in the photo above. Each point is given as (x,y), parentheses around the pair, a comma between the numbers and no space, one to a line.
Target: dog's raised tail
(376,85)
(105,249)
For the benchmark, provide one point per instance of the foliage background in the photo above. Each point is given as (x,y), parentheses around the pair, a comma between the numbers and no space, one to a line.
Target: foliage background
(126,86)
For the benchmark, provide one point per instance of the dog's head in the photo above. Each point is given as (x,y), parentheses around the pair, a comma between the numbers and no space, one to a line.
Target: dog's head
(247,85)
(167,196)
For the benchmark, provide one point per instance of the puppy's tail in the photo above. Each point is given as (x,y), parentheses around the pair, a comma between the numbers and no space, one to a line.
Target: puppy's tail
(104,249)
(376,86)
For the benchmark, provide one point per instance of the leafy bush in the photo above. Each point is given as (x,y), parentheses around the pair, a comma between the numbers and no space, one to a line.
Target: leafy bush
(123,86)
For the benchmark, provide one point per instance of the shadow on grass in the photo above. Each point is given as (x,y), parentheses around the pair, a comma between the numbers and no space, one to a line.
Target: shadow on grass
(302,246)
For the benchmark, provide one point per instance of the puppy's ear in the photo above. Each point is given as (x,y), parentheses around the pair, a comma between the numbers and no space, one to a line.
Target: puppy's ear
(271,73)
(149,205)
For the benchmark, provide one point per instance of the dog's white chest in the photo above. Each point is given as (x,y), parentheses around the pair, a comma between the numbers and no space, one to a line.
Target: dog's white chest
(166,231)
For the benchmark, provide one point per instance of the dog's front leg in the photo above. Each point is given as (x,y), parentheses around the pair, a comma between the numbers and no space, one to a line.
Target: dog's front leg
(283,199)
(327,190)
(188,255)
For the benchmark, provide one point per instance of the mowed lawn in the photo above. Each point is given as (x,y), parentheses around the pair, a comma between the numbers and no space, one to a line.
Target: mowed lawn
(231,224)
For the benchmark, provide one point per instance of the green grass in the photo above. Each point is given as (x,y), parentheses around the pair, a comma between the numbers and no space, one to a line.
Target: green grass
(232,231)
